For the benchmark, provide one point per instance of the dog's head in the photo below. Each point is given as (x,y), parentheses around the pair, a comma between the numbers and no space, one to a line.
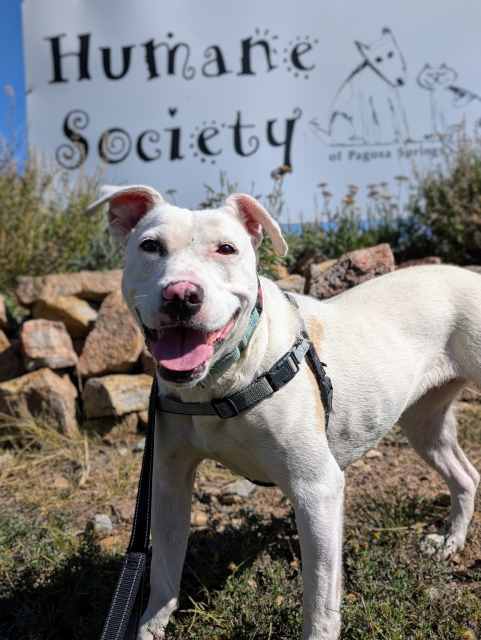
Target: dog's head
(190,277)
(386,58)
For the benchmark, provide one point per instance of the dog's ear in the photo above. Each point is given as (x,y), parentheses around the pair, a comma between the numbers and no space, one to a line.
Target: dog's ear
(127,205)
(255,219)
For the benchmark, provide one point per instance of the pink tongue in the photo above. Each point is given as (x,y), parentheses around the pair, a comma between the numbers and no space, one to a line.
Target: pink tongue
(181,349)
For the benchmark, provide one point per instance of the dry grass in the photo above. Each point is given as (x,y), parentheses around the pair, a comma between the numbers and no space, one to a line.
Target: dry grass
(242,572)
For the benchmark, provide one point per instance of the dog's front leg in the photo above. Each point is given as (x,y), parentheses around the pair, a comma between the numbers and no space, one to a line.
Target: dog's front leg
(173,478)
(318,506)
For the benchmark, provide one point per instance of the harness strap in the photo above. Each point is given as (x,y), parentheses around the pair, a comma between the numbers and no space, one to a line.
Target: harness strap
(263,387)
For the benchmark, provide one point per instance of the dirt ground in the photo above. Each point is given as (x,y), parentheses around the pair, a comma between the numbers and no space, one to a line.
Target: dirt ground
(49,496)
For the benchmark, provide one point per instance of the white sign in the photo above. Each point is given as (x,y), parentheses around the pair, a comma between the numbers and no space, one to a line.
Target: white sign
(172,93)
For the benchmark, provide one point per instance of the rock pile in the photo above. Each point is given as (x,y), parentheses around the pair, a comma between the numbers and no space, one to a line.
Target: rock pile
(79,355)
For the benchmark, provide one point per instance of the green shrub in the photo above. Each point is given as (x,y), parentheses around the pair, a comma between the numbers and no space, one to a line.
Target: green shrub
(446,207)
(43,225)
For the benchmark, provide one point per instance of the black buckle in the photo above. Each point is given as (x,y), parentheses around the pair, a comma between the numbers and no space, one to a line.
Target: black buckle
(283,371)
(225,403)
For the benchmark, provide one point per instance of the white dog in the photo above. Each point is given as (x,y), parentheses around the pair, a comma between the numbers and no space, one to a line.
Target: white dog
(398,348)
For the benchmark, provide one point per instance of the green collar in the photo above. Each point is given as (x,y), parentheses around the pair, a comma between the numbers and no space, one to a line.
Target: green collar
(230,358)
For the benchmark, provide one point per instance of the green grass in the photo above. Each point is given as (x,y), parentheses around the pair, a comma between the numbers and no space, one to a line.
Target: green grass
(243,583)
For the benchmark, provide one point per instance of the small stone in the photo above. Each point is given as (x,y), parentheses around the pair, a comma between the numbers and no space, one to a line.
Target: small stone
(139,446)
(116,395)
(61,483)
(101,525)
(431,544)
(199,519)
(115,343)
(242,488)
(122,451)
(373,454)
(44,393)
(228,499)
(467,634)
(46,344)
(294,283)
(76,314)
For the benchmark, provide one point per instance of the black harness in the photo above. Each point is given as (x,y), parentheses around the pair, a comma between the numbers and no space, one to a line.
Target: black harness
(127,603)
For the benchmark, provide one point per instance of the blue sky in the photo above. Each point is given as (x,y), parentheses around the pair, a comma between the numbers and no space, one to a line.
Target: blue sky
(11,68)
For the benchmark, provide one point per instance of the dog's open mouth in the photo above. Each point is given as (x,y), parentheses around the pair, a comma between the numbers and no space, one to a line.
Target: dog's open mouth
(182,351)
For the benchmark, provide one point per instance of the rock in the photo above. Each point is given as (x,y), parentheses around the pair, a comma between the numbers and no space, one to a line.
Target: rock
(42,392)
(147,362)
(3,313)
(279,271)
(139,446)
(294,283)
(88,285)
(103,426)
(11,363)
(242,488)
(115,344)
(373,454)
(199,519)
(101,525)
(76,314)
(314,268)
(351,269)
(307,258)
(419,262)
(46,344)
(116,395)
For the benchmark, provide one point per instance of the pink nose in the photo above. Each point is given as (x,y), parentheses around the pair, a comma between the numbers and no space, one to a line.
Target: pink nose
(183,290)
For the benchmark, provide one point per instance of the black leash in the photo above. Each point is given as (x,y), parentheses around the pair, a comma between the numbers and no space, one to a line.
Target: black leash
(123,618)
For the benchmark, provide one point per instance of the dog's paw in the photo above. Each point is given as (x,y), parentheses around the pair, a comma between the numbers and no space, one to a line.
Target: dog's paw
(441,547)
(148,632)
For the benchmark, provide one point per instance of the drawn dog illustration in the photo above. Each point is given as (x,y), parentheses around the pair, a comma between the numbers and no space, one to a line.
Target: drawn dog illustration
(367,108)
(448,101)
(399,349)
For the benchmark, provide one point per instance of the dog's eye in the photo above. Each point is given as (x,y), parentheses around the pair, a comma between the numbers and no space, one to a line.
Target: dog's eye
(390,54)
(226,249)
(151,246)
(378,59)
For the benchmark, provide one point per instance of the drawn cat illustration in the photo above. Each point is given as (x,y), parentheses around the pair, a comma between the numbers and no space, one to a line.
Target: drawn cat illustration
(445,99)
(367,108)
